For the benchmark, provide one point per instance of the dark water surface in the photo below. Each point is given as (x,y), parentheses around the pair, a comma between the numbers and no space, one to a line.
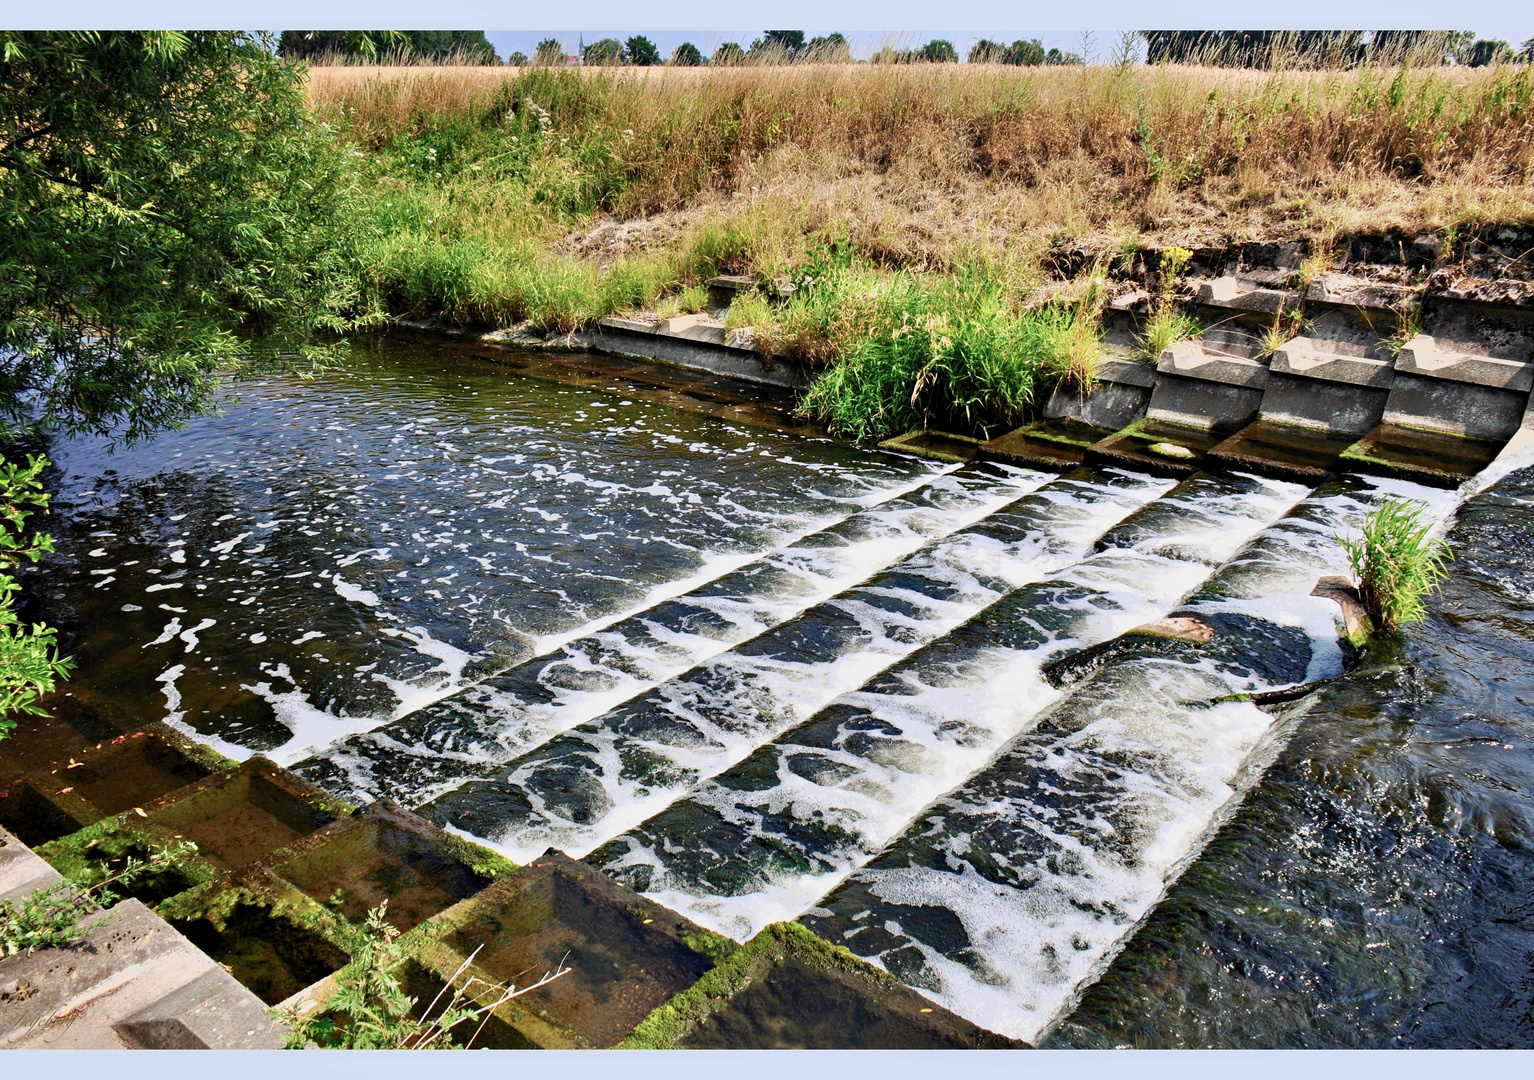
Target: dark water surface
(328,555)
(1377,888)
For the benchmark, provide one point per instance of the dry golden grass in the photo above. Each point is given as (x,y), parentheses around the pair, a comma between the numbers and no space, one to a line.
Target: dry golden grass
(923,164)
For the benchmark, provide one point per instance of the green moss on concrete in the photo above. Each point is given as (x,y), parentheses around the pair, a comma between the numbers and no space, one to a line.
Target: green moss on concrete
(484,862)
(669,1023)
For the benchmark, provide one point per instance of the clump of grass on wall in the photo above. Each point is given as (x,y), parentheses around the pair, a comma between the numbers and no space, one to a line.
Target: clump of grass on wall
(902,350)
(1396,563)
(1167,325)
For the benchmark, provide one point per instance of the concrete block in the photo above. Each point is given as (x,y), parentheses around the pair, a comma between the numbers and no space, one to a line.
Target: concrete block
(1424,356)
(21,871)
(1425,457)
(1338,407)
(1522,439)
(1156,447)
(1191,360)
(1238,295)
(212,1012)
(1342,289)
(1300,454)
(1109,405)
(1057,444)
(742,337)
(71,998)
(713,358)
(1210,406)
(788,988)
(634,326)
(1307,358)
(627,954)
(677,325)
(1454,408)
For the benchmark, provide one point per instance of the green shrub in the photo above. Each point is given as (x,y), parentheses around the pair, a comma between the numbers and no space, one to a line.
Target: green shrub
(1395,563)
(29,660)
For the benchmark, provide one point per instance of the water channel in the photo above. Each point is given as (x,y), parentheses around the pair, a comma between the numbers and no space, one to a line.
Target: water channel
(760,674)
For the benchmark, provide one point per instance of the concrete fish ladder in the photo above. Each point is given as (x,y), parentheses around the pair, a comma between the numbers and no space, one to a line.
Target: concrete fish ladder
(602,777)
(1011,893)
(474,731)
(760,842)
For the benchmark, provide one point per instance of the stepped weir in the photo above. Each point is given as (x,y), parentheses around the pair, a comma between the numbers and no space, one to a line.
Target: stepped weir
(933,734)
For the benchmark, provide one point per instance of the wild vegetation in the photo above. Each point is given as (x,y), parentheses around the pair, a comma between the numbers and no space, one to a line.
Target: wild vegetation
(559,196)
(370,1010)
(1396,562)
(54,917)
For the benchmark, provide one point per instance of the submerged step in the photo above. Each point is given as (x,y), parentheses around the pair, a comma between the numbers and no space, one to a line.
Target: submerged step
(607,775)
(788,989)
(759,842)
(1304,455)
(937,445)
(476,731)
(1020,885)
(1157,447)
(1435,458)
(1045,444)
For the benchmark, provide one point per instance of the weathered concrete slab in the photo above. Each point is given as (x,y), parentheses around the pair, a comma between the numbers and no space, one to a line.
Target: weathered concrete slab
(1191,360)
(1427,357)
(212,1012)
(1309,358)
(715,358)
(1343,289)
(22,871)
(1454,408)
(130,964)
(1196,403)
(1239,295)
(1303,455)
(1340,408)
(788,988)
(936,445)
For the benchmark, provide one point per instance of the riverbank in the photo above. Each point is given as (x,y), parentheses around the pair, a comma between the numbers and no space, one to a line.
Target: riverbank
(927,225)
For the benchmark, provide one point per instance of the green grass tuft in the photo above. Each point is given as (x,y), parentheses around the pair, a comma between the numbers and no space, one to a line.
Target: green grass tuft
(1396,563)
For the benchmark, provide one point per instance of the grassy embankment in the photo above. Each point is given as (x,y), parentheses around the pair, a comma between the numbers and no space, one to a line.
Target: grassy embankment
(914,206)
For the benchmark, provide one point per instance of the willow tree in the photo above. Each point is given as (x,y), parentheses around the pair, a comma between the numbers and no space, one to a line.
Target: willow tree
(171,216)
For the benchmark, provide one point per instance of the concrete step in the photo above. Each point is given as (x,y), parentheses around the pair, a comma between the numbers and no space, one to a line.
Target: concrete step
(1199,388)
(1426,356)
(1236,294)
(935,445)
(1309,358)
(132,968)
(1433,458)
(1347,291)
(21,871)
(1119,396)
(1055,445)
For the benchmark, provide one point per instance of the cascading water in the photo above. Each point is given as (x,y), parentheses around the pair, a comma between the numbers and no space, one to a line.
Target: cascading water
(763,676)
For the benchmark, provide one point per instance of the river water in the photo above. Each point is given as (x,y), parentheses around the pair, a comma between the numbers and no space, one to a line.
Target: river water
(761,674)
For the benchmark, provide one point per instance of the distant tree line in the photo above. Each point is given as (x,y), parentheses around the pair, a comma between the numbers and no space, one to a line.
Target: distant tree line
(1327,48)
(432,46)
(1220,48)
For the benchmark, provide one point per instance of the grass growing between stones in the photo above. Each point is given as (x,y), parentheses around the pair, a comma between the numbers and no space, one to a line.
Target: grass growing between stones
(1396,563)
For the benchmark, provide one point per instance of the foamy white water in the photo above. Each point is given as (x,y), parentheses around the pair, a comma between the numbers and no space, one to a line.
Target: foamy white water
(1011,893)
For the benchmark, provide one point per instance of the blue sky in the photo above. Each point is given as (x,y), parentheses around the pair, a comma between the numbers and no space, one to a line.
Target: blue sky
(518,25)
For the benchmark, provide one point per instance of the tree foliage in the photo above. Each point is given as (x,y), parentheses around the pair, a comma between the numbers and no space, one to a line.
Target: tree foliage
(607,52)
(939,51)
(171,212)
(29,661)
(641,51)
(549,53)
(729,55)
(686,55)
